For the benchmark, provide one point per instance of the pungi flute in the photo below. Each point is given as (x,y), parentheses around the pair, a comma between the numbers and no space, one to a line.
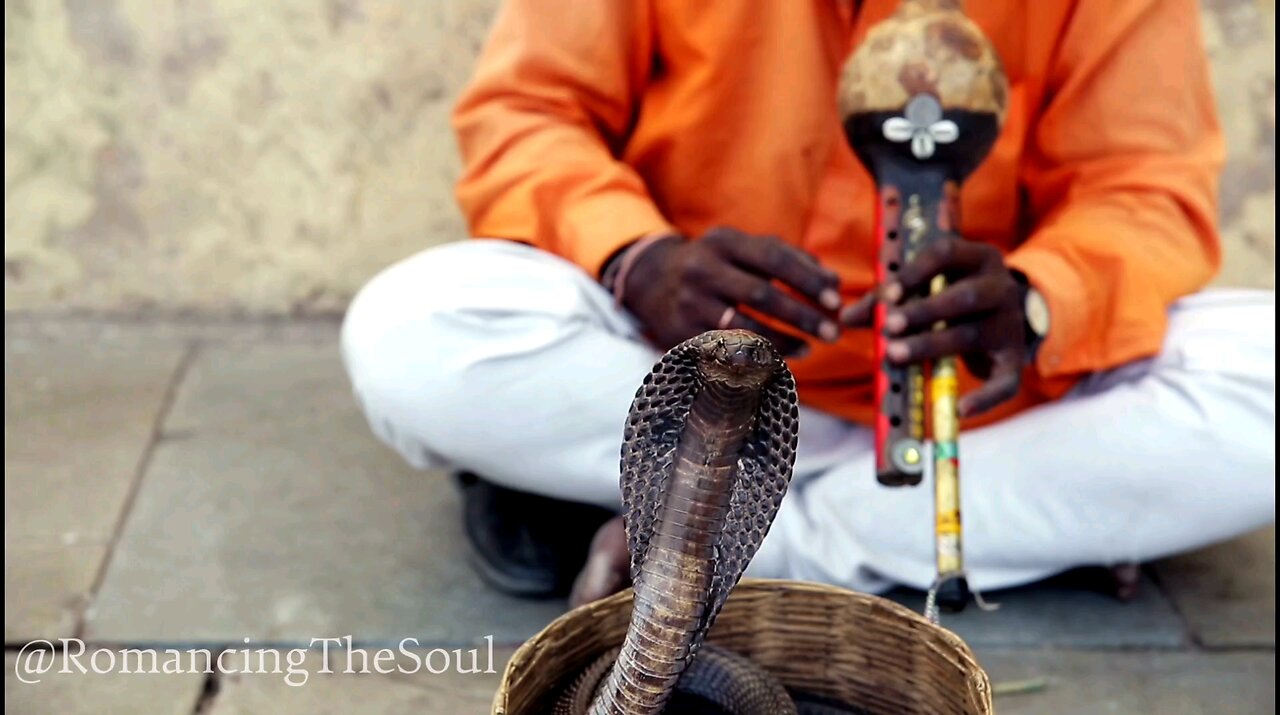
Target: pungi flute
(922,101)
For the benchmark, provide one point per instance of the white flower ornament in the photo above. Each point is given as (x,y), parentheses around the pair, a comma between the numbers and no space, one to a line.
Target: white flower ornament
(923,126)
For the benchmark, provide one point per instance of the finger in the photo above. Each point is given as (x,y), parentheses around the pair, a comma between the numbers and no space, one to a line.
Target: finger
(1006,377)
(979,364)
(948,256)
(737,287)
(771,257)
(714,316)
(966,298)
(786,345)
(962,338)
(860,314)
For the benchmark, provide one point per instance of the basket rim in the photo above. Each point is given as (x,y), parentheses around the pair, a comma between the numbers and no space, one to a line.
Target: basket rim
(531,645)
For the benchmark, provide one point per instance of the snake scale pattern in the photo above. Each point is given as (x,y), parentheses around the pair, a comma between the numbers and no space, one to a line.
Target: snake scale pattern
(707,456)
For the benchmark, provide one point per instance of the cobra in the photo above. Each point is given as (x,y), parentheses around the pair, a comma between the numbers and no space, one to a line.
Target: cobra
(707,457)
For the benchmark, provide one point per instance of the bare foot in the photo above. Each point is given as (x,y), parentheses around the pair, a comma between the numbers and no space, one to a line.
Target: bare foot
(1126,578)
(608,565)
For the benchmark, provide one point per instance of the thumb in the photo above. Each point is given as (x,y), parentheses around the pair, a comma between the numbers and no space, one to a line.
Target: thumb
(1006,378)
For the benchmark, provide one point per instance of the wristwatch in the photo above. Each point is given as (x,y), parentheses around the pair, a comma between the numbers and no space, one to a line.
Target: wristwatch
(1035,312)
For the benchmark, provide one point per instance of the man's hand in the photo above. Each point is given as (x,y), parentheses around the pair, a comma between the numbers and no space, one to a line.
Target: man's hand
(982,308)
(679,289)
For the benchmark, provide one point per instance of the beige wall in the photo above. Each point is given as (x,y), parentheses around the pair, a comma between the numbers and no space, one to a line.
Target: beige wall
(231,156)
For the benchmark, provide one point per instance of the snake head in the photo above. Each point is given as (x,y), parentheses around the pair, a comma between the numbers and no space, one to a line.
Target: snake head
(738,358)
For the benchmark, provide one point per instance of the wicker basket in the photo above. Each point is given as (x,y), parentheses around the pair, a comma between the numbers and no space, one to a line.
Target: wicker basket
(861,650)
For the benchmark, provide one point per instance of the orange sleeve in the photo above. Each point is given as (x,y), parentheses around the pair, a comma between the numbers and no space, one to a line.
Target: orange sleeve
(552,99)
(1121,174)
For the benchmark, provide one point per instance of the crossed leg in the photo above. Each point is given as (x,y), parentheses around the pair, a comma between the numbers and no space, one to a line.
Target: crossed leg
(501,359)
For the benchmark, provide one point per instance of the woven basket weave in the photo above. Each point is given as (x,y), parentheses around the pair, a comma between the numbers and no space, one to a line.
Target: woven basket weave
(861,650)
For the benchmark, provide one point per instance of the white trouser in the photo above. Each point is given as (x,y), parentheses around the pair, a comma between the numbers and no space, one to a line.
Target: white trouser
(507,361)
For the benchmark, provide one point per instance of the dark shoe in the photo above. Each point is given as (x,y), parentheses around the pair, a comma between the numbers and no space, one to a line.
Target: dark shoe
(524,544)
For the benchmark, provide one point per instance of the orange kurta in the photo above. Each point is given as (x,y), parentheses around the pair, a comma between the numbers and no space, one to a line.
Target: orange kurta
(588,125)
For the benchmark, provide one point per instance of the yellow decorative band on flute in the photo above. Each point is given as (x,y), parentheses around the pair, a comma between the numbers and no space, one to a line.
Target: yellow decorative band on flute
(944,393)
(915,378)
